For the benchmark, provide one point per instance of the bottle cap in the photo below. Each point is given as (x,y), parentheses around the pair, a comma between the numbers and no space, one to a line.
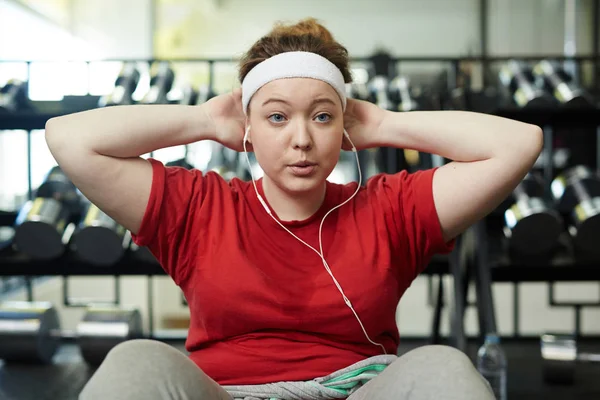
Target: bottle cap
(492,338)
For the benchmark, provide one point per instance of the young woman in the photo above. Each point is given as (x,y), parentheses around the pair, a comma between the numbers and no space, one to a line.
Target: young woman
(292,281)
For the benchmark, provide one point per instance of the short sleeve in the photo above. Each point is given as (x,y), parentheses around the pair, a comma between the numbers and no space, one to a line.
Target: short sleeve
(169,226)
(413,218)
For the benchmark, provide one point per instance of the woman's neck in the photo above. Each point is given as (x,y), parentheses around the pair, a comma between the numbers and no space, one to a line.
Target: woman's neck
(293,206)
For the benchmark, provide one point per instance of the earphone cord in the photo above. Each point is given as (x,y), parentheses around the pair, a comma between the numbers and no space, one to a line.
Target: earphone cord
(325,264)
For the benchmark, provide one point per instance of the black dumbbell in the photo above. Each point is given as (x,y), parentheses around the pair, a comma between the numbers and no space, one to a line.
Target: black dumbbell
(560,358)
(161,83)
(532,226)
(518,79)
(41,223)
(13,96)
(98,239)
(30,331)
(555,80)
(125,85)
(577,192)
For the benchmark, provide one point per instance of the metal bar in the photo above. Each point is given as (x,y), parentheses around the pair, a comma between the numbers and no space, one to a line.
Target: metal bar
(516,313)
(458,309)
(150,306)
(29,183)
(483,35)
(577,310)
(211,76)
(483,281)
(596,40)
(598,148)
(29,288)
(437,315)
(117,288)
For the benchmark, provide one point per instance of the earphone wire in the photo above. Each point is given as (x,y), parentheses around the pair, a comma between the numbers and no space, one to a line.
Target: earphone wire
(320,254)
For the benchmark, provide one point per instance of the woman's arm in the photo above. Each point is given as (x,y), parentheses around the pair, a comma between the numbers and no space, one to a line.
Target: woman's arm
(490,154)
(99,150)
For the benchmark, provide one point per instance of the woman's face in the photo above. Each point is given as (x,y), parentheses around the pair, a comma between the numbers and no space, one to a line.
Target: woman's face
(296,132)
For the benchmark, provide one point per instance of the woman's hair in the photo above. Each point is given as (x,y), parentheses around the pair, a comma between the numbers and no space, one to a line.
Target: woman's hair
(306,35)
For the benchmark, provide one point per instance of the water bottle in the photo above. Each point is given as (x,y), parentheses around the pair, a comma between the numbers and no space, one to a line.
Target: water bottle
(491,364)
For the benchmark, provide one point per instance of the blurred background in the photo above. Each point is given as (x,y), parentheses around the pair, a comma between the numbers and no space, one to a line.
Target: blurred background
(531,60)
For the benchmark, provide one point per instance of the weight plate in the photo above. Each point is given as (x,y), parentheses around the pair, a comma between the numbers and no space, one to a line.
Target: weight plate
(102,328)
(29,332)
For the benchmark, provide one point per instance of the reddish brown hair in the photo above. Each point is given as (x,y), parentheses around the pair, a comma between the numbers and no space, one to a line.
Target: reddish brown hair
(306,35)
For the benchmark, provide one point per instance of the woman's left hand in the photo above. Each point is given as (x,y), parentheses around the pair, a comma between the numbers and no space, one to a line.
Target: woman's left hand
(362,121)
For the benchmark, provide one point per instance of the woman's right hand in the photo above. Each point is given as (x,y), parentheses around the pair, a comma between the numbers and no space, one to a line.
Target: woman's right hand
(228,119)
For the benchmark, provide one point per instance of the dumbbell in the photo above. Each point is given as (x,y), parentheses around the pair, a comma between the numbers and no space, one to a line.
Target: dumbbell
(399,92)
(13,96)
(161,82)
(379,92)
(104,327)
(555,80)
(560,358)
(518,79)
(532,226)
(30,331)
(98,239)
(125,84)
(189,96)
(577,192)
(41,223)
(359,91)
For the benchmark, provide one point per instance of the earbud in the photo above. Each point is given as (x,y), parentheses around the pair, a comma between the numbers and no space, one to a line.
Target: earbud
(350,140)
(246,134)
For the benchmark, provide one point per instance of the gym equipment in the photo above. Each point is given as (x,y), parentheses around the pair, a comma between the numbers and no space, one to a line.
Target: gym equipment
(13,96)
(29,332)
(161,82)
(577,192)
(400,94)
(98,239)
(189,96)
(359,92)
(551,77)
(379,90)
(205,93)
(125,85)
(42,222)
(560,358)
(7,234)
(518,79)
(532,226)
(102,328)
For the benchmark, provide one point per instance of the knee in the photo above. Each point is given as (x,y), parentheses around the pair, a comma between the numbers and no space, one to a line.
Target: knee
(439,357)
(141,348)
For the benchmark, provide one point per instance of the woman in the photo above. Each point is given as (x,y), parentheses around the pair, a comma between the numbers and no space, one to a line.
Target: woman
(288,299)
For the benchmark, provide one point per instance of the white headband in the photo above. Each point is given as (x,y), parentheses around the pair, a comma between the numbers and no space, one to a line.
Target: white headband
(293,64)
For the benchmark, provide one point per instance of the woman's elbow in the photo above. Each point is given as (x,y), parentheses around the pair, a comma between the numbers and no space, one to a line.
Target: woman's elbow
(530,145)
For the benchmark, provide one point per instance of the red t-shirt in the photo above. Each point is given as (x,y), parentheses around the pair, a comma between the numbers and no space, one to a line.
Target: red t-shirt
(262,306)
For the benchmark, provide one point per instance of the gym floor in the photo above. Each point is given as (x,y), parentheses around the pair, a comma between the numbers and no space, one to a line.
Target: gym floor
(64,379)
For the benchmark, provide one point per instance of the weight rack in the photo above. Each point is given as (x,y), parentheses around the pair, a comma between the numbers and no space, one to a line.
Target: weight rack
(479,262)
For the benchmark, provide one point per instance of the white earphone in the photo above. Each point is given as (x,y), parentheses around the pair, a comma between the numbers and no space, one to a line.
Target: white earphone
(320,253)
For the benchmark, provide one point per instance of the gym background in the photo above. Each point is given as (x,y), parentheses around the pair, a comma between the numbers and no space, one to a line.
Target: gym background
(519,274)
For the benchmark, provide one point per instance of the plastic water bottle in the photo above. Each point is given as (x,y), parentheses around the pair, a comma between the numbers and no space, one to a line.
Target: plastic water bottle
(491,364)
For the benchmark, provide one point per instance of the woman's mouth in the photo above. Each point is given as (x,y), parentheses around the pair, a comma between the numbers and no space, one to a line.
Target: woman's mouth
(303,168)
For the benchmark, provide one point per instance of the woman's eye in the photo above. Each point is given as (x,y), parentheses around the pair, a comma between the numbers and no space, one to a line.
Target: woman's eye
(323,117)
(276,118)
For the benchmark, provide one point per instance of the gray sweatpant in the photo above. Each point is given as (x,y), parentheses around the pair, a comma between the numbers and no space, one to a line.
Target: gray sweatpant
(149,370)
